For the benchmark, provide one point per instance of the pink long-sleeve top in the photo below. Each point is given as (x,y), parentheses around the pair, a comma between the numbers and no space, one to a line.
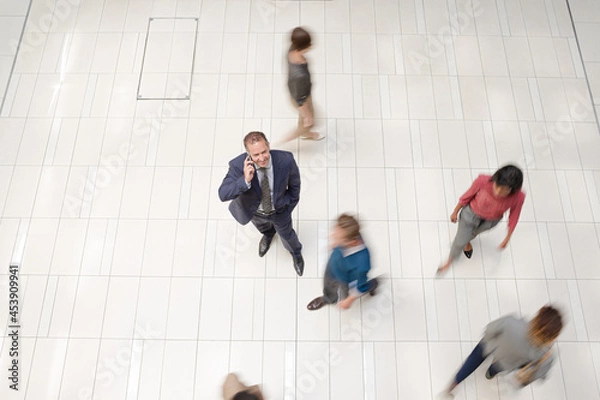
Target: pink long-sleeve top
(480,197)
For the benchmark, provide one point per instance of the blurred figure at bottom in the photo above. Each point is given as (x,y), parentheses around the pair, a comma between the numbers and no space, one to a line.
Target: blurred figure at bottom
(233,389)
(515,344)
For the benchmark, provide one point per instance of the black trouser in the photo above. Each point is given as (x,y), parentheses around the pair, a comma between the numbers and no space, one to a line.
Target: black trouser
(281,223)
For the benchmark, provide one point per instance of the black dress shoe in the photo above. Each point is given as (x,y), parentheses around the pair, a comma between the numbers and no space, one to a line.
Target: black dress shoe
(468,253)
(299,265)
(315,304)
(374,286)
(264,245)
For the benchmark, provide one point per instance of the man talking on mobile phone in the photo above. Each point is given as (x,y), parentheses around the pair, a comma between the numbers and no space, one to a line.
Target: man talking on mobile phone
(264,186)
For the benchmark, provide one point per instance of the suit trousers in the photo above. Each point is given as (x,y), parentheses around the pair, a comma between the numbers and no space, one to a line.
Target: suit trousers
(469,226)
(281,223)
(333,290)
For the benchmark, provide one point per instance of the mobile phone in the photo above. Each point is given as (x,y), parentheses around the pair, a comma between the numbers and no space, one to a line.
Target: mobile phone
(249,158)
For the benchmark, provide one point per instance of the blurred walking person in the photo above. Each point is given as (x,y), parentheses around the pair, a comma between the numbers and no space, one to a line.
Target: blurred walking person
(345,277)
(515,344)
(300,85)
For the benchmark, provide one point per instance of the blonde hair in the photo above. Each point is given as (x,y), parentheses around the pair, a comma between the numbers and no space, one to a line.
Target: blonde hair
(350,226)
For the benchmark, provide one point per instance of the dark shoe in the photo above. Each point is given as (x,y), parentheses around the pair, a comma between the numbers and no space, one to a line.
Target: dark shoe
(264,245)
(468,253)
(299,264)
(374,285)
(316,304)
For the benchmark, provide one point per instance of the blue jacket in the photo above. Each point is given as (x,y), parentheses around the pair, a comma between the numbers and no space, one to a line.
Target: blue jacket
(351,269)
(286,186)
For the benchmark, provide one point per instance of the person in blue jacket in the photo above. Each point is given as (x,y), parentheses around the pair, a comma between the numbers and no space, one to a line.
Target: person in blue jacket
(346,273)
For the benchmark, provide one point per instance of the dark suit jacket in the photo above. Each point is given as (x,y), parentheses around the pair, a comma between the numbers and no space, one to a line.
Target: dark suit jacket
(286,186)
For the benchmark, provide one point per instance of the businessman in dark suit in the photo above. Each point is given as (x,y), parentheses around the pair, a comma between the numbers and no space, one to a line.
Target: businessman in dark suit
(264,187)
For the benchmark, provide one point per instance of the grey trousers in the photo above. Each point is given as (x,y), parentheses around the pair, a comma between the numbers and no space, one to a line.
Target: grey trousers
(333,290)
(469,226)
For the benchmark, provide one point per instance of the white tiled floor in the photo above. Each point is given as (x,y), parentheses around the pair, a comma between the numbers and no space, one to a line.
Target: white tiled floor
(12,18)
(136,283)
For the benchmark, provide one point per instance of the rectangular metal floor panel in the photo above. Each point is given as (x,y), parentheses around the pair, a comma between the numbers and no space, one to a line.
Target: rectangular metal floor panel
(168,61)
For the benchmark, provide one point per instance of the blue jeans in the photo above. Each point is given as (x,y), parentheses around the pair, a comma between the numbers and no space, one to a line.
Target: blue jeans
(475,359)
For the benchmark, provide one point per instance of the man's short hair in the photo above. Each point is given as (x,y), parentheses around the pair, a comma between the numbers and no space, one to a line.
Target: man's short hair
(350,226)
(254,137)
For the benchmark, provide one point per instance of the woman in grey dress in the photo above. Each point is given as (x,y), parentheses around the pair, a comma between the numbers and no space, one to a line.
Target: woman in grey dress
(300,85)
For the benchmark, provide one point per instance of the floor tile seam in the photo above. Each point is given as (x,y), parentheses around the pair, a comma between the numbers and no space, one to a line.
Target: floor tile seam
(282,340)
(245,277)
(98,165)
(35,195)
(583,64)
(10,74)
(329,167)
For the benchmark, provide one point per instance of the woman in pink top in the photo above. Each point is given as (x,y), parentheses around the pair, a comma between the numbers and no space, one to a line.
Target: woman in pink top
(483,206)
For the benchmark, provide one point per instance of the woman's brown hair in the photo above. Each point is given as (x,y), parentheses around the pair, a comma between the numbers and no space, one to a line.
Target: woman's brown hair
(300,39)
(547,324)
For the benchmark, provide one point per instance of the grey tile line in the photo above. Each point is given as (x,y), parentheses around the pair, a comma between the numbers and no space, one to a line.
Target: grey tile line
(198,340)
(363,349)
(16,55)
(220,82)
(93,388)
(73,313)
(274,277)
(473,169)
(160,133)
(320,33)
(366,221)
(562,370)
(551,18)
(139,280)
(423,288)
(243,113)
(216,220)
(37,192)
(143,58)
(319,74)
(328,179)
(596,366)
(585,73)
(543,120)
